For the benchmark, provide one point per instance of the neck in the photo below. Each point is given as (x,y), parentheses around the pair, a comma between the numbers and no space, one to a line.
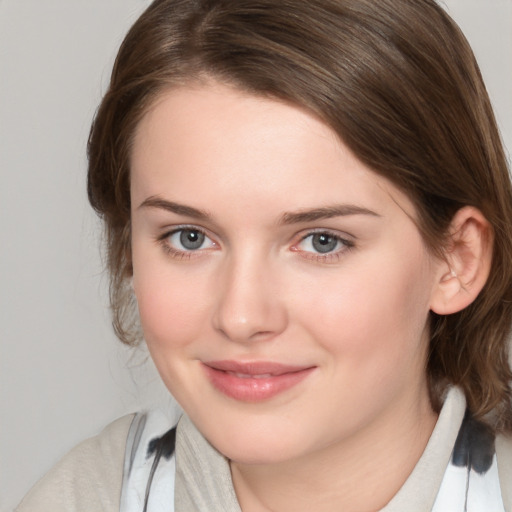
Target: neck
(358,474)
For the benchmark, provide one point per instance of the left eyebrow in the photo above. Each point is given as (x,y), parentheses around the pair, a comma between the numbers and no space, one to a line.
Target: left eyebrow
(326,212)
(171,206)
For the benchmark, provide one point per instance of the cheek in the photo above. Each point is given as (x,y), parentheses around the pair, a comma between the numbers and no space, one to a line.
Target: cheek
(171,306)
(373,313)
(163,313)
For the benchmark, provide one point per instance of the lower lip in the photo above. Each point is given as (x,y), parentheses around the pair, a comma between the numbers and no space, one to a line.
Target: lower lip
(252,389)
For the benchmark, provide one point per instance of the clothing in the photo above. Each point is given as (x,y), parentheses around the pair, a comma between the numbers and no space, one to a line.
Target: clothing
(87,479)
(202,479)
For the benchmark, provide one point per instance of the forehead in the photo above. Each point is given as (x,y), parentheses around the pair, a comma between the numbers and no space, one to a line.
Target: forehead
(207,142)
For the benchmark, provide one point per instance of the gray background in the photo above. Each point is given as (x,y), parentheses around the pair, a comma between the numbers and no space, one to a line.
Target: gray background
(62,373)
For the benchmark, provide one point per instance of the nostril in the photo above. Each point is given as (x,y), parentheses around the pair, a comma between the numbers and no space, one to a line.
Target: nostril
(261,335)
(247,309)
(260,326)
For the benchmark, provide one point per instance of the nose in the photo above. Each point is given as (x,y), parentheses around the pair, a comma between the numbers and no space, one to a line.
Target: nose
(249,306)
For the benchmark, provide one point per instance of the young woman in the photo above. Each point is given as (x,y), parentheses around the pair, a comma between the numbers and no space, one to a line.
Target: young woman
(309,221)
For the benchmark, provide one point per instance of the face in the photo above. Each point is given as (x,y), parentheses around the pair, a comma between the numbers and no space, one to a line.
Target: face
(283,287)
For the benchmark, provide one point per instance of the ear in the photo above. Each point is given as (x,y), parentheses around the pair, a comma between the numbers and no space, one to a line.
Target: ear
(466,264)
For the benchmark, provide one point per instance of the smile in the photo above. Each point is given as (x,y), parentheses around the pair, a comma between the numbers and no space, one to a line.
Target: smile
(254,382)
(246,376)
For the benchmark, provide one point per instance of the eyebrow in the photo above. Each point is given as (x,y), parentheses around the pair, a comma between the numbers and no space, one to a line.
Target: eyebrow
(170,206)
(287,218)
(327,212)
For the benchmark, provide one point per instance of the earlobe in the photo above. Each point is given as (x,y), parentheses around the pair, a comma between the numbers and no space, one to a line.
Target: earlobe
(467,262)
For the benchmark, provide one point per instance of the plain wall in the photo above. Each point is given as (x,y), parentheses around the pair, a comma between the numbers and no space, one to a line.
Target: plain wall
(63,375)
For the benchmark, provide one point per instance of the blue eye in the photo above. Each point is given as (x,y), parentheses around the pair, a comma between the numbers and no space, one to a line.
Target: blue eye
(189,239)
(323,243)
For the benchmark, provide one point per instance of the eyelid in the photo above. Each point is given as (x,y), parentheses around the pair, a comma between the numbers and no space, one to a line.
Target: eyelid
(163,240)
(347,241)
(341,235)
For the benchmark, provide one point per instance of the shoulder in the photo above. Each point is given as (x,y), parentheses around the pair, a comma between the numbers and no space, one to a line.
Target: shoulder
(504,458)
(89,477)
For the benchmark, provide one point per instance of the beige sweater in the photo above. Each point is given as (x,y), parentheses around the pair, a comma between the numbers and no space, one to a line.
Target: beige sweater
(89,478)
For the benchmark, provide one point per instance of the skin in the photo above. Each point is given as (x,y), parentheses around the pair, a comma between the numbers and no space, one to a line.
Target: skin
(258,290)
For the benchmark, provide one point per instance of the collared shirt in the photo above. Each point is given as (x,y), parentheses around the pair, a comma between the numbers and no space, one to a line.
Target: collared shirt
(458,470)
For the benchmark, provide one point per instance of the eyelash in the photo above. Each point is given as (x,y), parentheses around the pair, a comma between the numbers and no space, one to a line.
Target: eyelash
(178,254)
(327,257)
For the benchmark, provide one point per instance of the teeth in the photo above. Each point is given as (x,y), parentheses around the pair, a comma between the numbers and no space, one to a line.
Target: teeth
(246,376)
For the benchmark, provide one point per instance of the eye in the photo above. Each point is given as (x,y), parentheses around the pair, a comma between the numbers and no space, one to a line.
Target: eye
(320,242)
(323,243)
(188,239)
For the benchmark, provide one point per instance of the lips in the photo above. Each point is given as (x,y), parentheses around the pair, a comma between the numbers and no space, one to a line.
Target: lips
(254,381)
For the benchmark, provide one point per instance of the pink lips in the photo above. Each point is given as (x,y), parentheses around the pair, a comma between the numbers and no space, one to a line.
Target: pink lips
(255,381)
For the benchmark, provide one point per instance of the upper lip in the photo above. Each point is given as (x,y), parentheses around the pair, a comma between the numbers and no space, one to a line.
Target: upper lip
(255,367)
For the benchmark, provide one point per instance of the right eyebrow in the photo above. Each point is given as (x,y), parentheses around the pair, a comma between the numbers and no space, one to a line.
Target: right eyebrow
(326,212)
(171,206)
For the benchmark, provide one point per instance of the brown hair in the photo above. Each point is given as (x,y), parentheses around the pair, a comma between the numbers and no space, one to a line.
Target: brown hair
(398,82)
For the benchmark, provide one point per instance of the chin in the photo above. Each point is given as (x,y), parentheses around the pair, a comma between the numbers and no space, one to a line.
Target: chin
(256,442)
(253,454)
